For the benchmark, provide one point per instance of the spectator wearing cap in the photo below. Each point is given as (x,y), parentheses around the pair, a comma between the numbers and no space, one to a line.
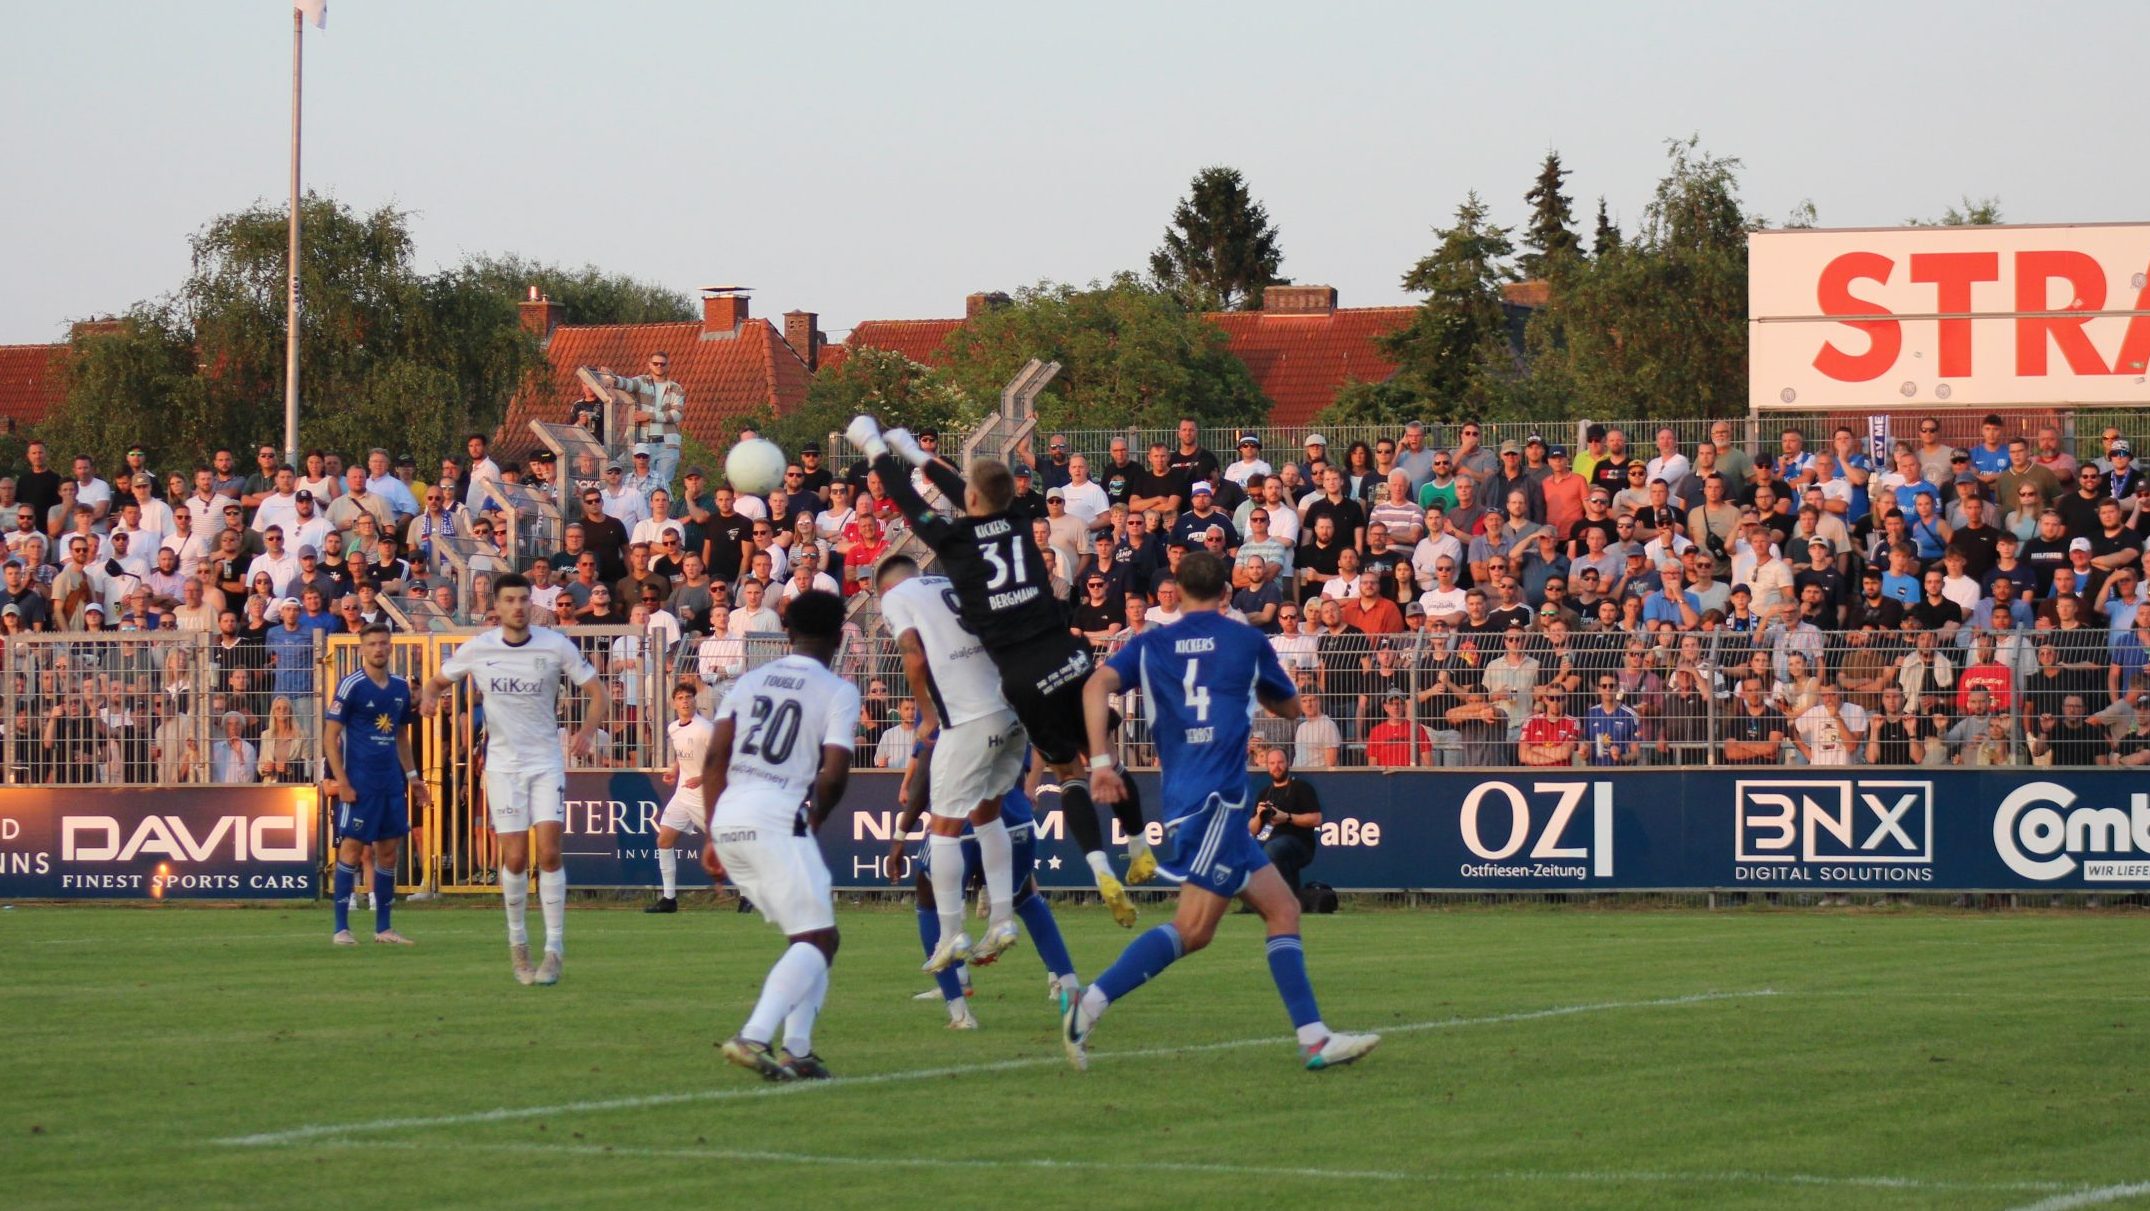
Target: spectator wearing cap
(624,503)
(1512,478)
(1396,740)
(310,525)
(1315,449)
(1028,504)
(1202,514)
(1250,462)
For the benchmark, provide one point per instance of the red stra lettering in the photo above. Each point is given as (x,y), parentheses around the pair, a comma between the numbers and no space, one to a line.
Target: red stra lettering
(2135,349)
(1952,274)
(1885,338)
(2086,283)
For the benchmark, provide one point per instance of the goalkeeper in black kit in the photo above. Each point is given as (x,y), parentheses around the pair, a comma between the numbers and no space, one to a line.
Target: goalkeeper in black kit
(1004,597)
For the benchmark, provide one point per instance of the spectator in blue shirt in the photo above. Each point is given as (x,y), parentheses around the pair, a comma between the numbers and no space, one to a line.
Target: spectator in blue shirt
(1673,604)
(291,649)
(1613,730)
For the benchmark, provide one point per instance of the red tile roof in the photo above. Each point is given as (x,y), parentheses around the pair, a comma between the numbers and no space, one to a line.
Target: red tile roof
(923,341)
(33,382)
(1298,360)
(1536,292)
(725,377)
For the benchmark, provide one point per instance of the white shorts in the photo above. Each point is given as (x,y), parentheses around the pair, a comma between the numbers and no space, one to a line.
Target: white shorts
(517,799)
(782,875)
(975,761)
(682,816)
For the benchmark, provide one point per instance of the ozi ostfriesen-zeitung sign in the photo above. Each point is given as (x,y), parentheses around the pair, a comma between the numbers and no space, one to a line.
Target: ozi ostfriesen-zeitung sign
(219,843)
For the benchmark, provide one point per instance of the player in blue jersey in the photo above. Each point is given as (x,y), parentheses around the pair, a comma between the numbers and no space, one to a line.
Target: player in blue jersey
(368,744)
(1019,815)
(1201,679)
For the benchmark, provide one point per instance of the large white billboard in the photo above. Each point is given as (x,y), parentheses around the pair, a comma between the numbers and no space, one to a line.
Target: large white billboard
(1949,317)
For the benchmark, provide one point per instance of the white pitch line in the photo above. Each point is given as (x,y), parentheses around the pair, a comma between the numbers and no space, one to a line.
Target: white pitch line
(1586,1177)
(645,1101)
(2089,1198)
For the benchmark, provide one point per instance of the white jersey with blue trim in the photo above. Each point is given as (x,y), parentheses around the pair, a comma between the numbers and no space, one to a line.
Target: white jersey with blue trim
(1202,679)
(521,684)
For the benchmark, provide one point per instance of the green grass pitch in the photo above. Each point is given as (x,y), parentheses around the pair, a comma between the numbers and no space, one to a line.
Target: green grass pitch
(196,1057)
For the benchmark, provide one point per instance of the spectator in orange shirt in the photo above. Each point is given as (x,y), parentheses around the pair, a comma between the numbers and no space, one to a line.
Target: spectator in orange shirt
(1396,740)
(1371,612)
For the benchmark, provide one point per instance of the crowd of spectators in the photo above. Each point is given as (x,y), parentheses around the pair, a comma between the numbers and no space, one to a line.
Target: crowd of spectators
(1439,602)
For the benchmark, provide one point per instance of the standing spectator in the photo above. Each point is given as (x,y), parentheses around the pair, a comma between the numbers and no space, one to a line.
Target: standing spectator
(1287,818)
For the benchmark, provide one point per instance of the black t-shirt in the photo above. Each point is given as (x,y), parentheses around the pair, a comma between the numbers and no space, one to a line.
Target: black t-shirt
(1610,475)
(1194,468)
(2078,515)
(1744,727)
(1933,615)
(1346,513)
(2043,694)
(1171,483)
(1980,547)
(2043,557)
(999,577)
(40,489)
(1295,797)
(817,479)
(606,538)
(725,537)
(1605,525)
(1120,480)
(1896,735)
(1509,617)
(2077,743)
(1102,616)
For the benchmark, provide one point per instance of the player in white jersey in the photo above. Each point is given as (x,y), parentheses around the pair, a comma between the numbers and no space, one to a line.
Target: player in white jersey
(517,670)
(685,813)
(779,759)
(976,753)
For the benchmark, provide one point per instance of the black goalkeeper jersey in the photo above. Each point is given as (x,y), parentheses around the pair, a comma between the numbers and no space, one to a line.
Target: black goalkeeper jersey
(1002,590)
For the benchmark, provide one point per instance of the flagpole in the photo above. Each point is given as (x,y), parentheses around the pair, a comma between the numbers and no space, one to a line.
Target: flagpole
(291,293)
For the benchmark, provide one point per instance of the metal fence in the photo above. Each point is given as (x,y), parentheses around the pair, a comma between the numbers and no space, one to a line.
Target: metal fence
(2078,431)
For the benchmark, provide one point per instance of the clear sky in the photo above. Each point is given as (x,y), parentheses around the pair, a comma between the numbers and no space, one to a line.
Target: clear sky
(882,160)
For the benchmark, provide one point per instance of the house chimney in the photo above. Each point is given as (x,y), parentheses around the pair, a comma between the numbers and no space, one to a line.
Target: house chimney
(978,304)
(803,337)
(1299,300)
(108,326)
(724,311)
(539,315)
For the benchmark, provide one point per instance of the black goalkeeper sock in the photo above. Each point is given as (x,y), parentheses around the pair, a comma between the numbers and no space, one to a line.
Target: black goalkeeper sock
(1128,811)
(1080,813)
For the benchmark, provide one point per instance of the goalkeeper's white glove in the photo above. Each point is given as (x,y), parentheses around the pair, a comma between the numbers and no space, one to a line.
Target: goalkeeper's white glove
(865,433)
(901,441)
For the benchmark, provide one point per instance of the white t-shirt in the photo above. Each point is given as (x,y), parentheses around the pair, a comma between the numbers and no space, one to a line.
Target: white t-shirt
(1829,744)
(783,715)
(521,684)
(690,744)
(1085,501)
(966,684)
(279,511)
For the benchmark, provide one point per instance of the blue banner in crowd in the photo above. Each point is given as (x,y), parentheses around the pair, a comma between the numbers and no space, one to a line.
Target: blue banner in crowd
(209,842)
(1563,829)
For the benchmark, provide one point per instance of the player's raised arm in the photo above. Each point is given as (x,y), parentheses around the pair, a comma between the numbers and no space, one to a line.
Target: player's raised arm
(1097,692)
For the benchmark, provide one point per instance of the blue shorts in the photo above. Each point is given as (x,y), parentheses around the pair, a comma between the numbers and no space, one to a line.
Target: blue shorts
(377,816)
(1210,848)
(1023,837)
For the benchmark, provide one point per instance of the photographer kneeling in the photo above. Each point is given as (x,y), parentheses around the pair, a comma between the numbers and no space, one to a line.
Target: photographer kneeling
(1287,819)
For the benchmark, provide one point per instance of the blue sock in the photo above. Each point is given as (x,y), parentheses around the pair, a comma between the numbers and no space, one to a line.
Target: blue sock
(346,878)
(929,935)
(1144,958)
(1037,917)
(1287,966)
(384,894)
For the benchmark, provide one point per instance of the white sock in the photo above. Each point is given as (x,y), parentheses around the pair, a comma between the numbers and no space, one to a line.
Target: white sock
(515,895)
(1094,1003)
(789,982)
(958,1009)
(997,853)
(1313,1032)
(668,866)
(552,900)
(963,975)
(947,854)
(1098,865)
(799,1023)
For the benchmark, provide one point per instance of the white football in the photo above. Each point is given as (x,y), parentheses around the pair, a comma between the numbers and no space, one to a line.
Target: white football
(755,467)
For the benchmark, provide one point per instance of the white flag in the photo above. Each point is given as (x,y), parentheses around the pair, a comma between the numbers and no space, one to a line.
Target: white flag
(316,9)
